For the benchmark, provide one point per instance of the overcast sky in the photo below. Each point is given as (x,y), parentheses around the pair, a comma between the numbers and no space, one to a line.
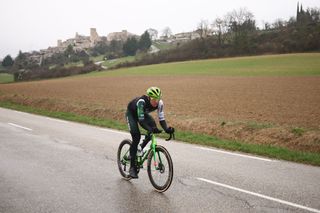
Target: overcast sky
(37,24)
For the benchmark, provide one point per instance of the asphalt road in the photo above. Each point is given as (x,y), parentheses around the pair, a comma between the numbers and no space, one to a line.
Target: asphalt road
(50,165)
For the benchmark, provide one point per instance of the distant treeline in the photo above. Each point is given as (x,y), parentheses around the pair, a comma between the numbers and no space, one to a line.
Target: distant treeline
(237,35)
(45,73)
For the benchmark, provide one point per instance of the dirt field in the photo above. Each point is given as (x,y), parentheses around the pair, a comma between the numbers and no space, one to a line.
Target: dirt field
(252,109)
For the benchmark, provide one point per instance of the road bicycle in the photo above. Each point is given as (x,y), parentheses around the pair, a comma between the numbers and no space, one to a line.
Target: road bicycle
(159,162)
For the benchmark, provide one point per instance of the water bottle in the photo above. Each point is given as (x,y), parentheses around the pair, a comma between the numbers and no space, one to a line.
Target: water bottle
(139,151)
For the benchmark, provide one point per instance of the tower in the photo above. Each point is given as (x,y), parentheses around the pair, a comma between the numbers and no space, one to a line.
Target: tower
(94,37)
(59,43)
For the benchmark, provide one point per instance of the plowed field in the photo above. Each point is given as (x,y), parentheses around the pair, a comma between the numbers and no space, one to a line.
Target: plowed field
(264,110)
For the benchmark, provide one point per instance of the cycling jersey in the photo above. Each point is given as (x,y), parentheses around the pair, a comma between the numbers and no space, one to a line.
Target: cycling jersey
(140,106)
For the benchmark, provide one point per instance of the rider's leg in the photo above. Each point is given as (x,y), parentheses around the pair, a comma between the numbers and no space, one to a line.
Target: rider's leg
(145,141)
(150,121)
(135,134)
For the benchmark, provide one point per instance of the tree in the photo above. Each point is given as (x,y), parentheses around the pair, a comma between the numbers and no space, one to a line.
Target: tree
(241,24)
(307,16)
(100,48)
(153,33)
(240,16)
(7,61)
(145,41)
(69,51)
(116,46)
(314,14)
(83,56)
(241,21)
(21,56)
(203,29)
(278,24)
(166,32)
(130,47)
(20,61)
(266,26)
(217,28)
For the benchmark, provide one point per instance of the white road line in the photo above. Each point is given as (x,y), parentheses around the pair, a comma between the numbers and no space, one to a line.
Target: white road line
(22,127)
(261,196)
(57,120)
(236,154)
(19,112)
(114,131)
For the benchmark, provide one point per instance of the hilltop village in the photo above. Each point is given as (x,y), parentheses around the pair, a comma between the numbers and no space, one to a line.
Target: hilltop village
(82,42)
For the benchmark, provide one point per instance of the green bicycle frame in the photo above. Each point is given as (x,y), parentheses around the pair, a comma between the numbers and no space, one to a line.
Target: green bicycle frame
(142,159)
(153,145)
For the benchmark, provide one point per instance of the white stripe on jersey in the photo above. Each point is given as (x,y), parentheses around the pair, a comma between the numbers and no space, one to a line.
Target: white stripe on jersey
(160,111)
(140,101)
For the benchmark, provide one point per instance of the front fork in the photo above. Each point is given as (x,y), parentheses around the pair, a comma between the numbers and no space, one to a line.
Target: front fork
(153,148)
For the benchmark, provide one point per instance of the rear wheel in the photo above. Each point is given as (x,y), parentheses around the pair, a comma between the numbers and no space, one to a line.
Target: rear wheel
(160,169)
(123,158)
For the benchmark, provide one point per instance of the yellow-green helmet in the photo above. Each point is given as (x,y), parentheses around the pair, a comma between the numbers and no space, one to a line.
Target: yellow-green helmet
(154,92)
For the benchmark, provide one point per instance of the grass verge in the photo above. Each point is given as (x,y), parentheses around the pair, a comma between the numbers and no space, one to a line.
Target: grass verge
(6,78)
(262,150)
(302,64)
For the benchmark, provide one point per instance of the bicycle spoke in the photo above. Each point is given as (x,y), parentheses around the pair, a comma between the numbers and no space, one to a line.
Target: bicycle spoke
(159,169)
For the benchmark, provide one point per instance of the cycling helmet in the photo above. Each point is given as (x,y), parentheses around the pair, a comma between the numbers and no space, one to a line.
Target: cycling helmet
(154,92)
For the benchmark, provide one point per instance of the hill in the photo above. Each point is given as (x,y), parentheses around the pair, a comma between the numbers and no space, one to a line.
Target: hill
(266,100)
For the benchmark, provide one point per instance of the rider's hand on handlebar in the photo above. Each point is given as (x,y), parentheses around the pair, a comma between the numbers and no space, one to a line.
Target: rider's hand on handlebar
(156,130)
(170,130)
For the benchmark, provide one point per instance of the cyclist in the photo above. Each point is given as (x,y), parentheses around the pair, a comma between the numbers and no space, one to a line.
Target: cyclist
(137,113)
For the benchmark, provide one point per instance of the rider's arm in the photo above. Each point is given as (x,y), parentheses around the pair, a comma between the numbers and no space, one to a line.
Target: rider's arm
(162,120)
(140,109)
(140,112)
(164,125)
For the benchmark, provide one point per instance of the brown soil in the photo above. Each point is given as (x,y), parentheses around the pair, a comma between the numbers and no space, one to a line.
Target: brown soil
(260,110)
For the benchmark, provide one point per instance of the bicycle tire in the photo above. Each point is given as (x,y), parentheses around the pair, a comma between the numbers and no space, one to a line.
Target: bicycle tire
(124,164)
(164,154)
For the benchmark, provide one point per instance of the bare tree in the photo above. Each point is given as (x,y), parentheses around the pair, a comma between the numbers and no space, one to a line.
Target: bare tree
(153,33)
(239,16)
(220,28)
(166,32)
(203,29)
(266,25)
(278,24)
(240,23)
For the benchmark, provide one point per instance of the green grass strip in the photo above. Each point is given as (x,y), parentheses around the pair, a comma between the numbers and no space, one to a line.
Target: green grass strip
(302,64)
(6,78)
(65,116)
(258,149)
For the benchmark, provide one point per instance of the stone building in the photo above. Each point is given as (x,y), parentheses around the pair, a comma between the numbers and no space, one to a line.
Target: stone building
(180,37)
(94,37)
(79,43)
(119,36)
(186,36)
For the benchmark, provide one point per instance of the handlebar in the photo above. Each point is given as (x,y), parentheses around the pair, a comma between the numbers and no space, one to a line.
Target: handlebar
(171,136)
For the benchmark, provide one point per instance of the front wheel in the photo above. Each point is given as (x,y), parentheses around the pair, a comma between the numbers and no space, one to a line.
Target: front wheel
(160,169)
(124,159)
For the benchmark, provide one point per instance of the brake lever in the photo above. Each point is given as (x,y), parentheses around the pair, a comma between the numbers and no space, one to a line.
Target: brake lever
(171,136)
